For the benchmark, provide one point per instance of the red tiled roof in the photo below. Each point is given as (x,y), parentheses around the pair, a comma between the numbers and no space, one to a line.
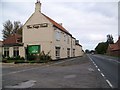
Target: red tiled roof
(57,25)
(12,39)
(115,46)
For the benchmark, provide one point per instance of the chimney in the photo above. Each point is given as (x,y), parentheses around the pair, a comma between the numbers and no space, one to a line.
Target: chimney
(60,24)
(38,6)
(77,41)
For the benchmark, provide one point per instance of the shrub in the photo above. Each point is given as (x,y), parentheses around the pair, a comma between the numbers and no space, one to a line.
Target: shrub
(32,57)
(44,57)
(19,61)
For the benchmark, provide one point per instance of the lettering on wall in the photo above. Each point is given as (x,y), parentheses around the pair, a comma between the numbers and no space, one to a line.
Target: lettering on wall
(37,26)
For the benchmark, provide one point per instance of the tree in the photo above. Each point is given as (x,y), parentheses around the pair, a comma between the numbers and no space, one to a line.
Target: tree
(87,51)
(101,48)
(11,28)
(110,39)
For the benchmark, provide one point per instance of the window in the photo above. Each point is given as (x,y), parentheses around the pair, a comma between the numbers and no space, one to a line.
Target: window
(73,52)
(57,35)
(68,52)
(29,26)
(15,51)
(67,39)
(6,51)
(19,40)
(57,52)
(44,25)
(73,42)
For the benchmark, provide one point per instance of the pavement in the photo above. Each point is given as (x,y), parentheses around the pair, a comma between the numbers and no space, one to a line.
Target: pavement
(77,72)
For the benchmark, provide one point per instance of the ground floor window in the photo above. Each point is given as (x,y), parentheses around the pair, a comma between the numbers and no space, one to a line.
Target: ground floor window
(6,51)
(15,51)
(57,52)
(73,52)
(68,52)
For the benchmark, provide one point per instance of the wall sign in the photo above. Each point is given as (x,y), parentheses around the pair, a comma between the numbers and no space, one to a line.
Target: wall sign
(37,26)
(33,49)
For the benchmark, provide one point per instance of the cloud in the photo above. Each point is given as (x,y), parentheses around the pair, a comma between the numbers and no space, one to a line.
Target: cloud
(89,22)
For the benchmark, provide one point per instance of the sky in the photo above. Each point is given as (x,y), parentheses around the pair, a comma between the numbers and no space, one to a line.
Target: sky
(89,21)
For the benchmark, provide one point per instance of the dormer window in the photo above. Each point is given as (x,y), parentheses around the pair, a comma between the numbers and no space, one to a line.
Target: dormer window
(29,26)
(19,40)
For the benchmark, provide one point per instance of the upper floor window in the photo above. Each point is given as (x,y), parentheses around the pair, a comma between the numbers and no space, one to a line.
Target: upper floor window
(73,42)
(68,40)
(57,35)
(19,40)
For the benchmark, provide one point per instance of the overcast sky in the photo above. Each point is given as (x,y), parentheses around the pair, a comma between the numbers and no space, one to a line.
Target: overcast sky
(89,21)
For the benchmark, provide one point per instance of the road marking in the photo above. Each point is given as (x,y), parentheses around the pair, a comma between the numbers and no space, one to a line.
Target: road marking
(19,71)
(70,76)
(109,83)
(98,69)
(102,74)
(62,62)
(26,84)
(96,66)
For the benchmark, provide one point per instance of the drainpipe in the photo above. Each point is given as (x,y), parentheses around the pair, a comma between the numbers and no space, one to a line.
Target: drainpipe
(71,47)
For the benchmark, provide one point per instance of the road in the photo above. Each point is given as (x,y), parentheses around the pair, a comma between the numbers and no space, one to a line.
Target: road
(70,73)
(108,67)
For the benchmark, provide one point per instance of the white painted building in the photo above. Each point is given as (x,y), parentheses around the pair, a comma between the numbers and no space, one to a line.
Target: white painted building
(42,31)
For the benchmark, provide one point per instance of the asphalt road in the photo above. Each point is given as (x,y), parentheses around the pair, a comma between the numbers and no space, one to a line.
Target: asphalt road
(70,73)
(108,67)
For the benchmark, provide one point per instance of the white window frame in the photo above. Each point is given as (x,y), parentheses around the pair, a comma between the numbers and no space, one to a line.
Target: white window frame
(68,40)
(16,50)
(57,52)
(6,51)
(57,35)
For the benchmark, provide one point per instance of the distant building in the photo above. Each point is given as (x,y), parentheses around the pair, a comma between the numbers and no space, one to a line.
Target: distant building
(41,33)
(114,49)
(13,46)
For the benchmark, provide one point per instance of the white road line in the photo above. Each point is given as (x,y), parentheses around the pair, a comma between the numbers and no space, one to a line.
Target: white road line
(98,69)
(19,71)
(102,74)
(96,66)
(109,83)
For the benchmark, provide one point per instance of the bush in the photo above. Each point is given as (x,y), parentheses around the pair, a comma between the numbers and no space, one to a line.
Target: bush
(12,59)
(43,58)
(32,57)
(15,58)
(19,61)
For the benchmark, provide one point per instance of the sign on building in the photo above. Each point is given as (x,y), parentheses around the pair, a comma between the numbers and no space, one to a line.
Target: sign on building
(34,49)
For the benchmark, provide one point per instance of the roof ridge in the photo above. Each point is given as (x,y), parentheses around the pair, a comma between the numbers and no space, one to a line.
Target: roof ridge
(56,24)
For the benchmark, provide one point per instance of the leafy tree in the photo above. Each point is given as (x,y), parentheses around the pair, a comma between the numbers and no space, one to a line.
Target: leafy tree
(11,28)
(87,51)
(101,48)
